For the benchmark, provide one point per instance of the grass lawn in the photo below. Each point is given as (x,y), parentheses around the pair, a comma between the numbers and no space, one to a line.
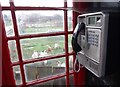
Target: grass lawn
(40,44)
(34,30)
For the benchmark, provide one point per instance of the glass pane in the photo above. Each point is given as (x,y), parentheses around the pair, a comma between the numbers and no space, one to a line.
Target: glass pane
(40,3)
(17,75)
(44,84)
(69,43)
(8,23)
(34,22)
(4,2)
(13,50)
(60,82)
(70,63)
(42,47)
(70,26)
(39,70)
(69,3)
(72,81)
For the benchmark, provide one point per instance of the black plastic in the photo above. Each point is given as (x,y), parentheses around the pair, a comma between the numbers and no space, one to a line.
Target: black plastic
(76,47)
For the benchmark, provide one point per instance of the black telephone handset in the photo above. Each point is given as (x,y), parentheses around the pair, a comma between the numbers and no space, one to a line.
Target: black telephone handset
(79,29)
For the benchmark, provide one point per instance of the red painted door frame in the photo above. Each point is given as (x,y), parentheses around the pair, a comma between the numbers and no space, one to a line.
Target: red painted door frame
(7,73)
(78,7)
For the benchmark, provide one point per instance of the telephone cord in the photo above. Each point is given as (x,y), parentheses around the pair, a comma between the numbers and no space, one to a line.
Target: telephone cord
(75,65)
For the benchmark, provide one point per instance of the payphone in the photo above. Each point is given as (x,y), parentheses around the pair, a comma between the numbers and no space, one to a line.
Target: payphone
(96,42)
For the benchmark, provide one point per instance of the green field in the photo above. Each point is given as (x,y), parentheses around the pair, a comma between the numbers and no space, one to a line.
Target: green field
(29,45)
(40,44)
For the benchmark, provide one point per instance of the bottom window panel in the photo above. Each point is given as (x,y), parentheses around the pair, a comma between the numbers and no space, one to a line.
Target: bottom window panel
(46,68)
(56,82)
(17,75)
(53,83)
(71,80)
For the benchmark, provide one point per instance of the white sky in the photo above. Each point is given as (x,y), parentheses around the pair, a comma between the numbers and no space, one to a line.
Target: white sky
(47,3)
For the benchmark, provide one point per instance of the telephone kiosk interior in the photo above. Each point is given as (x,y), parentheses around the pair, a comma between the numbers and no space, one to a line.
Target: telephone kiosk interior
(96,42)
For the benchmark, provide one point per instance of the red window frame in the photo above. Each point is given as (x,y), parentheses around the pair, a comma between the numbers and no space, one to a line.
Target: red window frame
(13,8)
(8,79)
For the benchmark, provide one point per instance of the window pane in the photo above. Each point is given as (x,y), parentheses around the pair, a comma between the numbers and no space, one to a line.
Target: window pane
(72,81)
(5,3)
(40,3)
(17,75)
(33,22)
(44,84)
(42,47)
(13,50)
(60,82)
(69,3)
(69,42)
(8,23)
(70,26)
(39,70)
(70,63)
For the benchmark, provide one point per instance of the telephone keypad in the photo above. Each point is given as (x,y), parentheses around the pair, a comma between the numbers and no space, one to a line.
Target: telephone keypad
(93,38)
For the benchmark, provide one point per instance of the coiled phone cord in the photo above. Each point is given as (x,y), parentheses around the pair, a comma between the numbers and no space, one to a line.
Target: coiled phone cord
(74,67)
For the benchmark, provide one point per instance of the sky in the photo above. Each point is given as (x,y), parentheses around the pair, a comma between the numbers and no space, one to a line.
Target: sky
(47,3)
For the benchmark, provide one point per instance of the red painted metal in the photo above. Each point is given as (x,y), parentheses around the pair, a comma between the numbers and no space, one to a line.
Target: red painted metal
(37,8)
(66,44)
(74,25)
(39,59)
(17,42)
(5,8)
(41,35)
(0,46)
(17,37)
(7,73)
(38,35)
(34,8)
(79,78)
